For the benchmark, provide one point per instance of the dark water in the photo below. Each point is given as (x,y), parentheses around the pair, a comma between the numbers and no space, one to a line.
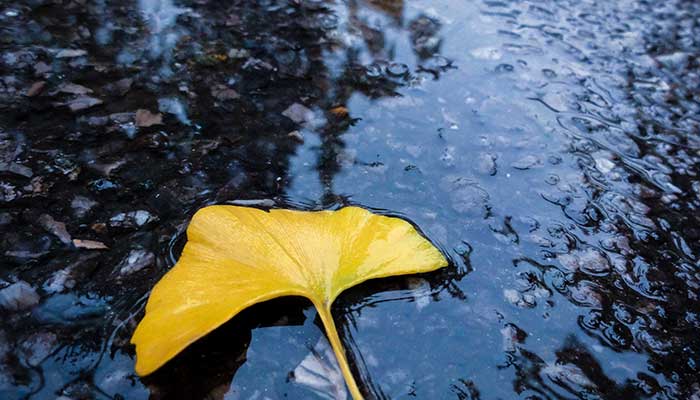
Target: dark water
(551,148)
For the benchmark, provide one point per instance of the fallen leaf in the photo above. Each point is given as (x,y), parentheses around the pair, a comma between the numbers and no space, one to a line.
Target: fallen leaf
(145,118)
(89,244)
(237,256)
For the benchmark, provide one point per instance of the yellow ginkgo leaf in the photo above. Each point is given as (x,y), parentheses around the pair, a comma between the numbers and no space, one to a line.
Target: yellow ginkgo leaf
(237,256)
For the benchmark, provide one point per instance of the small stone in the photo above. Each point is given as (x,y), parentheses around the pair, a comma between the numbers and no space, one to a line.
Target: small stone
(18,296)
(486,164)
(527,162)
(603,164)
(298,113)
(132,219)
(89,244)
(72,88)
(145,118)
(512,296)
(136,261)
(238,53)
(70,53)
(466,195)
(36,88)
(590,261)
(122,118)
(567,374)
(586,294)
(223,93)
(59,281)
(56,228)
(97,120)
(41,68)
(296,135)
(82,103)
(82,205)
(8,192)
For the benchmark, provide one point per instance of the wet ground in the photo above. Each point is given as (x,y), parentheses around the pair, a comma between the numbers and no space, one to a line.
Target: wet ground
(551,148)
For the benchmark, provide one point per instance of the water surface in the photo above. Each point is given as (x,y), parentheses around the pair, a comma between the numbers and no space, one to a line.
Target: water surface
(551,148)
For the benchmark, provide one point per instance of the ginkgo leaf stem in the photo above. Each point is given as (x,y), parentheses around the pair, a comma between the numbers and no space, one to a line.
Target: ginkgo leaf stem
(324,311)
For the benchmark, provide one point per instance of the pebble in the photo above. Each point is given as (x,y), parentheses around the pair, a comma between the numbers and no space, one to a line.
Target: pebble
(58,229)
(82,205)
(132,219)
(223,93)
(136,261)
(590,261)
(296,135)
(145,118)
(298,113)
(486,164)
(527,162)
(70,53)
(81,103)
(59,281)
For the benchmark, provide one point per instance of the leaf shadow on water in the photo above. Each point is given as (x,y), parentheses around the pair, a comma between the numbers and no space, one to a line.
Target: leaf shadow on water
(206,368)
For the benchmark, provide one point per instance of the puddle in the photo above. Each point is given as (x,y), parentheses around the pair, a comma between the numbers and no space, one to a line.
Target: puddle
(550,148)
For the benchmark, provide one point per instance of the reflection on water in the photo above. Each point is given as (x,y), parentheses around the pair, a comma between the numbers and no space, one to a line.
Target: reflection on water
(550,148)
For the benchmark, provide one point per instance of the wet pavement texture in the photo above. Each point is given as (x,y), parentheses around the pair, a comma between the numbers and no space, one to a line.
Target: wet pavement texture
(550,148)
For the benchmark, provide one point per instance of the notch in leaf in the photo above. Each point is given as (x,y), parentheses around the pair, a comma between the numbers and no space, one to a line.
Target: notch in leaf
(237,256)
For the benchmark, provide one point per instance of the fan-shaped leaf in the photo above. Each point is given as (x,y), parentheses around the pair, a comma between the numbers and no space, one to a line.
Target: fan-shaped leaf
(237,256)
